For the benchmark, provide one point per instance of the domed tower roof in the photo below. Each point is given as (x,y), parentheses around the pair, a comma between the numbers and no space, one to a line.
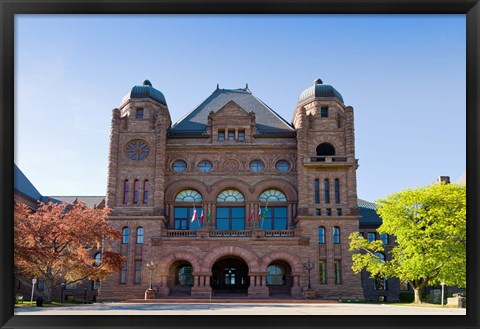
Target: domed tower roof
(319,89)
(146,90)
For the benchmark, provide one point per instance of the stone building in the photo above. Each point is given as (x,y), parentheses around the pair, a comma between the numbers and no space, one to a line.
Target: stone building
(233,198)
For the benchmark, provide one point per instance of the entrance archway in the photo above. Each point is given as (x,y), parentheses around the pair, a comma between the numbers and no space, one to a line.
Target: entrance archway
(230,275)
(181,278)
(279,278)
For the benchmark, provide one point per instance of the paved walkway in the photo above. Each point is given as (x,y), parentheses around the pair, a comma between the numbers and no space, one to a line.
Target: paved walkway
(238,309)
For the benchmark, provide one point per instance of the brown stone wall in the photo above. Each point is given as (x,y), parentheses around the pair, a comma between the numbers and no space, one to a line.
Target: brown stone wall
(231,161)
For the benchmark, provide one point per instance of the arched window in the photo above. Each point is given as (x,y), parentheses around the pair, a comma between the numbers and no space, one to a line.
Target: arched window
(230,217)
(183,214)
(189,196)
(98,259)
(136,188)
(272,196)
(325,149)
(230,196)
(336,235)
(184,276)
(125,191)
(140,235)
(321,235)
(125,235)
(146,187)
(275,275)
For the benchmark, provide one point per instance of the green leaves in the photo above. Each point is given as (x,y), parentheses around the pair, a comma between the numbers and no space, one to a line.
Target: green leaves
(429,226)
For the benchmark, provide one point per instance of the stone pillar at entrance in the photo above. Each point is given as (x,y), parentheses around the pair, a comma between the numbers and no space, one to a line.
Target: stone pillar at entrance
(201,288)
(163,290)
(258,287)
(296,290)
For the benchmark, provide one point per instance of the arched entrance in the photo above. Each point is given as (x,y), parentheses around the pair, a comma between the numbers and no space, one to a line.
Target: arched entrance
(181,278)
(279,278)
(230,275)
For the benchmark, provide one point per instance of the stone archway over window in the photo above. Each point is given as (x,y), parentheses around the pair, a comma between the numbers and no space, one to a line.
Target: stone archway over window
(325,149)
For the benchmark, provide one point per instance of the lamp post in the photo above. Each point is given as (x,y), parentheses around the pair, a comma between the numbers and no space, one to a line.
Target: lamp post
(443,287)
(149,293)
(309,266)
(151,267)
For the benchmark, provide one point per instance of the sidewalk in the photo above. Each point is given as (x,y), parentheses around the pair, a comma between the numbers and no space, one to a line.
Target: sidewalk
(238,309)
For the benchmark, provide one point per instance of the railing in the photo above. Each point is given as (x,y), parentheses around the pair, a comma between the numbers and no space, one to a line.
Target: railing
(280,233)
(181,233)
(328,159)
(229,233)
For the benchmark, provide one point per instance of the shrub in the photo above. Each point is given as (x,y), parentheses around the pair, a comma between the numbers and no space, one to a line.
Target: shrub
(406,297)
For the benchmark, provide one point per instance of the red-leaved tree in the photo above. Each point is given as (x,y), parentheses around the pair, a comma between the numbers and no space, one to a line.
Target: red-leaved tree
(57,243)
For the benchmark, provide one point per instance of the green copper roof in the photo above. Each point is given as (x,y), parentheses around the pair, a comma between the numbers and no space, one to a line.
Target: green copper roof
(146,90)
(319,89)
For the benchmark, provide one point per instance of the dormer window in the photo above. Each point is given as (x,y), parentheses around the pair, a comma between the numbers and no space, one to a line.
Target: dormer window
(231,135)
(324,112)
(139,113)
(221,135)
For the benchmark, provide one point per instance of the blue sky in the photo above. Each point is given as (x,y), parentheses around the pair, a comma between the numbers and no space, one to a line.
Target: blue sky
(404,75)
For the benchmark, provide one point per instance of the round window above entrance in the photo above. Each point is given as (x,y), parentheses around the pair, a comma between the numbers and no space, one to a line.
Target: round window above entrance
(230,196)
(272,195)
(257,166)
(282,166)
(188,196)
(205,166)
(179,166)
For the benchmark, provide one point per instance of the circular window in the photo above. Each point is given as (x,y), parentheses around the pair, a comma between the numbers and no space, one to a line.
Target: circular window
(282,166)
(137,150)
(205,166)
(257,166)
(179,166)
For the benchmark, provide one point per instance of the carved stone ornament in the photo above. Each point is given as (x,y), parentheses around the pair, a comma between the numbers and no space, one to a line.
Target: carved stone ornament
(304,241)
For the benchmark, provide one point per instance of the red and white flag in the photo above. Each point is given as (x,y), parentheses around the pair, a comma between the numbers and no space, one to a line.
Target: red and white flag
(251,215)
(201,217)
(194,215)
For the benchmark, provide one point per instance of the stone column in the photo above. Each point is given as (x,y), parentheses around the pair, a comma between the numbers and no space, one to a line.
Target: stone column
(110,199)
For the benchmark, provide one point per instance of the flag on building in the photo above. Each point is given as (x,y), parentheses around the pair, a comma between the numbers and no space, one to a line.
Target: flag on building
(251,215)
(208,215)
(201,216)
(194,215)
(264,214)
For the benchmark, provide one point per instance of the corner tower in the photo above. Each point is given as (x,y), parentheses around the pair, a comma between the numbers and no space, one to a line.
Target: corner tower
(137,152)
(327,206)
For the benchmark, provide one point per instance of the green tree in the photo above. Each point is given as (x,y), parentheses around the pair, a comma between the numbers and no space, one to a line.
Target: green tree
(429,226)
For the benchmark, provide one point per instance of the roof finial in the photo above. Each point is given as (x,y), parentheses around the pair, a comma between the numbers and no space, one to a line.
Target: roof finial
(318,82)
(246,86)
(147,83)
(218,86)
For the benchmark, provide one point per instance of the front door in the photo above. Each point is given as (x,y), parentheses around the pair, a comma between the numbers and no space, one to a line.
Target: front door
(230,276)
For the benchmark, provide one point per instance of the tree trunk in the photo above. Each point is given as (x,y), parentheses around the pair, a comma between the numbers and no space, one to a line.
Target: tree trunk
(47,293)
(418,295)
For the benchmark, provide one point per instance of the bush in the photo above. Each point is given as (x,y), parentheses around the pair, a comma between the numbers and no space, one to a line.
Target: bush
(406,297)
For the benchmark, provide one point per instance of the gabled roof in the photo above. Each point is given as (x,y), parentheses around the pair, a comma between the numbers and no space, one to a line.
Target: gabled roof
(22,185)
(268,121)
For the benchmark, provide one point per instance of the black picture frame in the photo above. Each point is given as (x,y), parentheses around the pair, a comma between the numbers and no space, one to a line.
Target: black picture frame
(471,8)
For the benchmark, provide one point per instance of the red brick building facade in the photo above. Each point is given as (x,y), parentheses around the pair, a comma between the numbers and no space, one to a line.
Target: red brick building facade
(227,163)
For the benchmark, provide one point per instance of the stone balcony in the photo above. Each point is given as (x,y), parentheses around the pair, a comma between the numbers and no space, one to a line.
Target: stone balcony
(330,161)
(224,234)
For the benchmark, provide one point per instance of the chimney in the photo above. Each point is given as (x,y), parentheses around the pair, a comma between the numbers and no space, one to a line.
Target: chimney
(444,179)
